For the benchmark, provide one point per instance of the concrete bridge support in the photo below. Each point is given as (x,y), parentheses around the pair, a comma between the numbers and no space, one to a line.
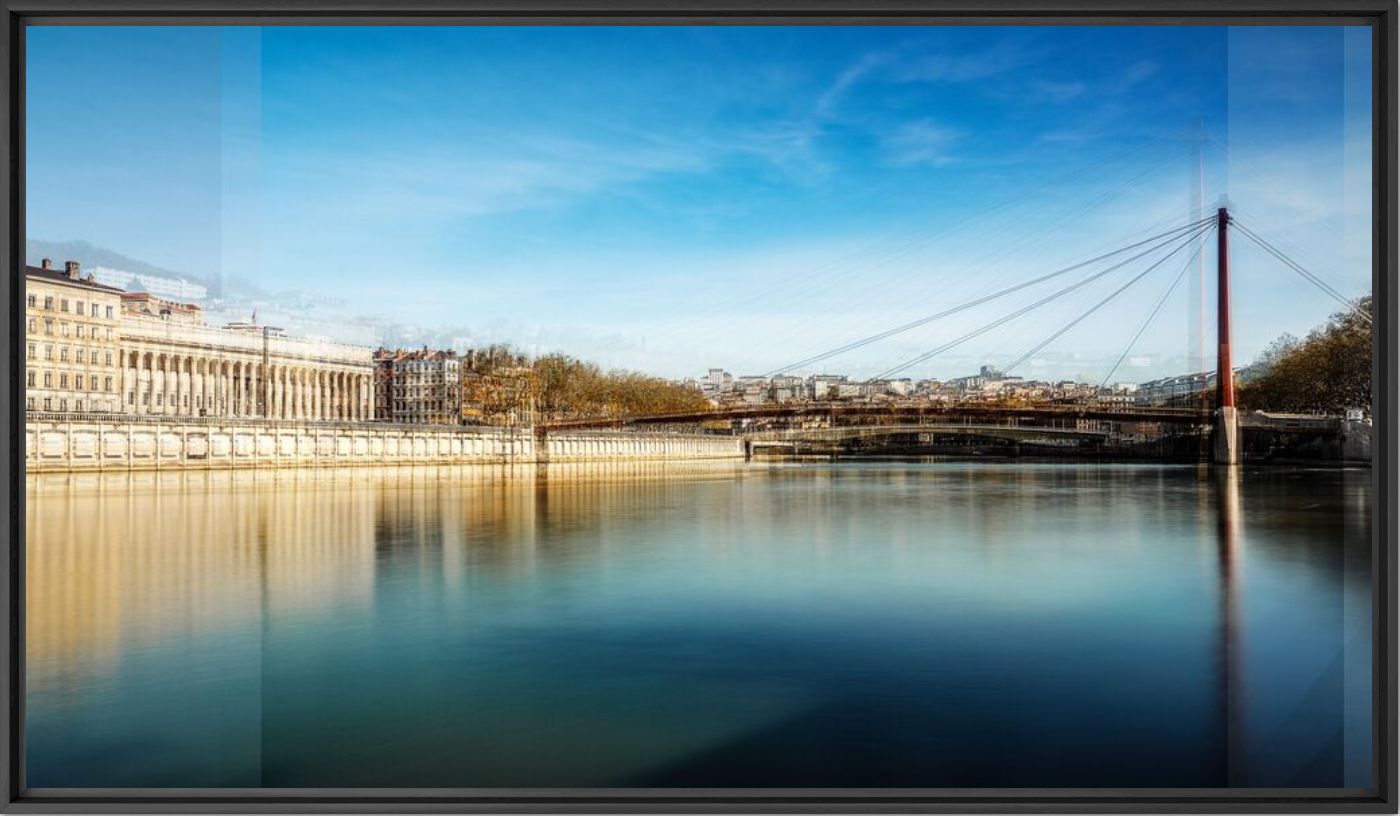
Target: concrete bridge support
(1227,436)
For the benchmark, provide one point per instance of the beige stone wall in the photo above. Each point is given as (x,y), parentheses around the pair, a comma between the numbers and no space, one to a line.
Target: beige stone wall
(59,444)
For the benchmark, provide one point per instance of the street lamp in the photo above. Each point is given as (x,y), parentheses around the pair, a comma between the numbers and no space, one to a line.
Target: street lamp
(262,381)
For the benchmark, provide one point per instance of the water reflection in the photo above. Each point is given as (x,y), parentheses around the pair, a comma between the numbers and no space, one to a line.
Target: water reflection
(1227,480)
(708,625)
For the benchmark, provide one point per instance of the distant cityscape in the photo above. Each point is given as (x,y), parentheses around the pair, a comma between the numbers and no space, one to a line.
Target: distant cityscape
(108,340)
(988,385)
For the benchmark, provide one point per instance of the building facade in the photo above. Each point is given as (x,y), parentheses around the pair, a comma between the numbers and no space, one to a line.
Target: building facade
(1178,390)
(424,386)
(173,363)
(384,383)
(71,341)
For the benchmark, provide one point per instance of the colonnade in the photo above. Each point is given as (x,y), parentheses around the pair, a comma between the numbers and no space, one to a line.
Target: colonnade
(194,385)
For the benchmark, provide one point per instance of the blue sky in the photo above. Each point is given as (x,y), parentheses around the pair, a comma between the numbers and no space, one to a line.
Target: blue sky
(670,198)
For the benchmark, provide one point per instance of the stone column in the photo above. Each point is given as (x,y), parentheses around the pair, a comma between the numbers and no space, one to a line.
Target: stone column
(169,382)
(186,375)
(125,381)
(234,373)
(182,386)
(273,390)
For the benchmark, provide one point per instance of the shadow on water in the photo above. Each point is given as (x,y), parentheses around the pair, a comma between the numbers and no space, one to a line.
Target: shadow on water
(854,624)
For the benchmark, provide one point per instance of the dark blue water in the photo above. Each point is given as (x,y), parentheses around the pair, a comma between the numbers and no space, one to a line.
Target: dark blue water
(891,625)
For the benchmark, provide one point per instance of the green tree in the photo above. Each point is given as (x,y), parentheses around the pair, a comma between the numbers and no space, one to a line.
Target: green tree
(1326,373)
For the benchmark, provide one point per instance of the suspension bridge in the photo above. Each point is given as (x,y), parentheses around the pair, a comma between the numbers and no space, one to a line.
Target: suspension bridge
(1152,265)
(792,423)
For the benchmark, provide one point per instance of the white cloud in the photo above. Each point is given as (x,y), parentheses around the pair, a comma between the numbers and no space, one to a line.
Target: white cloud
(965,67)
(922,142)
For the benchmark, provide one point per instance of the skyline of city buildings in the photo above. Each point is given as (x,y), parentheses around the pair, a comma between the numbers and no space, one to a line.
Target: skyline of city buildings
(96,347)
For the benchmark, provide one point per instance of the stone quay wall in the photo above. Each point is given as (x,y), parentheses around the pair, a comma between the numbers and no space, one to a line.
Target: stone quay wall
(100,442)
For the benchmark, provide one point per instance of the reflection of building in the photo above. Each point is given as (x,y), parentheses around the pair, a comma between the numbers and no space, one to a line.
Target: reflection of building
(423,386)
(173,363)
(70,340)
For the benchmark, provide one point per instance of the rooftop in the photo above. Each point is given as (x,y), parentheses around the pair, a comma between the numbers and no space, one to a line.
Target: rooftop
(70,275)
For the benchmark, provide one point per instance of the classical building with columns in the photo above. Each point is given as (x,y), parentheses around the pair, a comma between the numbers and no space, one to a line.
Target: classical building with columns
(173,363)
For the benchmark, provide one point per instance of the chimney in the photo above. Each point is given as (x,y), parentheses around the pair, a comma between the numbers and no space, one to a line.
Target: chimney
(47,263)
(71,269)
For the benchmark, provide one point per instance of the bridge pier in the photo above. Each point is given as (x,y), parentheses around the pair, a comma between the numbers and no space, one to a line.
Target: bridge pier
(1227,436)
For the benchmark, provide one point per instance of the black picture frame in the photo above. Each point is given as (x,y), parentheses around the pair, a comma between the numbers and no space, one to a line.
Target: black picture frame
(1379,15)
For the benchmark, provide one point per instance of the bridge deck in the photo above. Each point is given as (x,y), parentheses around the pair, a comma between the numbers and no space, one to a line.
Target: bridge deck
(1178,416)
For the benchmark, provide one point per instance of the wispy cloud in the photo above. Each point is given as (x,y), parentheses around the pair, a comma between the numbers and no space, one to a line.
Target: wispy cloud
(1058,91)
(866,65)
(922,142)
(1131,78)
(965,67)
(455,184)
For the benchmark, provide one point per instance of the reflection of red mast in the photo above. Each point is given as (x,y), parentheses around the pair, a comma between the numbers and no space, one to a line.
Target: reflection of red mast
(1230,662)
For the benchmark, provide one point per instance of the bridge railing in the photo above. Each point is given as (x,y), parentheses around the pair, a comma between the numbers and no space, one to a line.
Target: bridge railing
(262,422)
(796,409)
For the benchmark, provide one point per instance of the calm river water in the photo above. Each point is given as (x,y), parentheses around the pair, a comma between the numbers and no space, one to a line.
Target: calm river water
(850,624)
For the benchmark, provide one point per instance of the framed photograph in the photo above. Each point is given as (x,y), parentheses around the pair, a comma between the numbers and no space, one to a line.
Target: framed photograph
(662,406)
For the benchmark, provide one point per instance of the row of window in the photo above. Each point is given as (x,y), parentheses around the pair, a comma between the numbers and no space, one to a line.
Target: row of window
(175,400)
(96,309)
(61,403)
(31,380)
(80,355)
(81,330)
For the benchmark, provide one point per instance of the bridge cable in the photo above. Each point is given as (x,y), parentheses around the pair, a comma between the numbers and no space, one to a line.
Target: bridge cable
(1201,229)
(1319,270)
(903,240)
(1042,235)
(1293,265)
(1316,280)
(1234,159)
(1169,236)
(1151,316)
(1115,293)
